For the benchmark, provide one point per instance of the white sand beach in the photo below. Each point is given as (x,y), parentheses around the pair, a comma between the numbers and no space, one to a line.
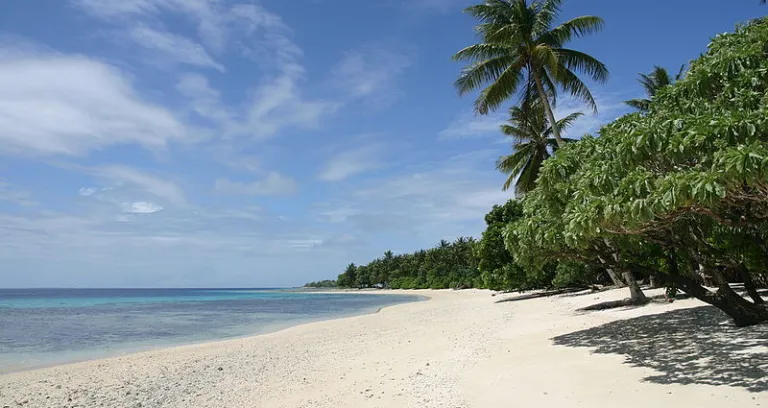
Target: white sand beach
(459,349)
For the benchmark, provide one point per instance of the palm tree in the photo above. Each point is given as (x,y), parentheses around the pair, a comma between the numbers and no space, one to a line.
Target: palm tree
(520,51)
(533,142)
(653,82)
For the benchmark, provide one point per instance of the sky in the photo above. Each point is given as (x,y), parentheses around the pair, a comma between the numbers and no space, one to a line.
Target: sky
(218,143)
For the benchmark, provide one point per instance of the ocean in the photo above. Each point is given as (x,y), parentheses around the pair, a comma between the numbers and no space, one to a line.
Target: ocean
(42,327)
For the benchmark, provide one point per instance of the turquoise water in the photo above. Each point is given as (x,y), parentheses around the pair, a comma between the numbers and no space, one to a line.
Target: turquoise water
(41,327)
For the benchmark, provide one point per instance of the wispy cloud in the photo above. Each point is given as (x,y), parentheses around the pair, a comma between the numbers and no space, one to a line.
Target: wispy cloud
(371,71)
(437,6)
(273,184)
(468,125)
(141,207)
(437,200)
(216,21)
(12,195)
(57,104)
(176,48)
(349,163)
(143,182)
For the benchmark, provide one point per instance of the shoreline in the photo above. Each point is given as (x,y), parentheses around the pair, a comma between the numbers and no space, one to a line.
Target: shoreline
(459,349)
(275,328)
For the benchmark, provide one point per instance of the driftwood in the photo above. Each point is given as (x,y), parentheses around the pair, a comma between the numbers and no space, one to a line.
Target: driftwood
(541,295)
(613,304)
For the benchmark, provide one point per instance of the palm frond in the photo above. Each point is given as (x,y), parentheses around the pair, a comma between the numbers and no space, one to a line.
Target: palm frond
(519,45)
(544,57)
(483,51)
(581,62)
(512,163)
(575,87)
(568,121)
(515,132)
(660,77)
(526,181)
(516,163)
(681,73)
(547,15)
(499,90)
(481,73)
(490,11)
(577,27)
(640,104)
(648,83)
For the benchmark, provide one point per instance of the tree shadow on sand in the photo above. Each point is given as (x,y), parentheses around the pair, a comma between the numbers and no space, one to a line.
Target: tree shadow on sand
(689,346)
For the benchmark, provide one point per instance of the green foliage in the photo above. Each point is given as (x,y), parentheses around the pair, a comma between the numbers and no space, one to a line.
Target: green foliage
(520,51)
(498,269)
(653,83)
(448,265)
(680,191)
(464,263)
(328,283)
(533,142)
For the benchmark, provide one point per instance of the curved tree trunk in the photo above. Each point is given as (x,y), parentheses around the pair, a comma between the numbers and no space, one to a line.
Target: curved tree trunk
(654,281)
(749,284)
(548,110)
(615,278)
(743,312)
(611,273)
(635,293)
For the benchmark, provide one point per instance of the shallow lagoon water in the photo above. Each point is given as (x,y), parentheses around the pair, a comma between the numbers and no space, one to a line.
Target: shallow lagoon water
(40,327)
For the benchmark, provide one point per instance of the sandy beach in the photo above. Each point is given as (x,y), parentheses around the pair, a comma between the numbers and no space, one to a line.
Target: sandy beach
(458,349)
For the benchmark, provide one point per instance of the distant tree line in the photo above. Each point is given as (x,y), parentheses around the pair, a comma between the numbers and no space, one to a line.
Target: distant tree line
(448,265)
(328,283)
(469,263)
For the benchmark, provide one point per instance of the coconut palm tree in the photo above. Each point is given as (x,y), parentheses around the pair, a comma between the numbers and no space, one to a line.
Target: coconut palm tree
(653,82)
(520,52)
(533,143)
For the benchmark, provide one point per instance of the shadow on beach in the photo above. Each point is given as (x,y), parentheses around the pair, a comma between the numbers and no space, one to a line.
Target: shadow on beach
(689,346)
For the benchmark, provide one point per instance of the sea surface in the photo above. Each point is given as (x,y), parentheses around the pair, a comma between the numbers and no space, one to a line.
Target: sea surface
(42,327)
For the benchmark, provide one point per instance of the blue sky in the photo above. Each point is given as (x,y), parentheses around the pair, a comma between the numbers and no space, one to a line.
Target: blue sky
(248,143)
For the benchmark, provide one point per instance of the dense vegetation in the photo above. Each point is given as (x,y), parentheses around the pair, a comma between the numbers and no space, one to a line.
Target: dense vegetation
(328,283)
(448,265)
(680,192)
(675,194)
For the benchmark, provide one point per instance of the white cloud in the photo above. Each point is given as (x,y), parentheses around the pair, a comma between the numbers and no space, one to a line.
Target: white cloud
(12,195)
(472,126)
(143,182)
(217,22)
(352,162)
(87,191)
(339,214)
(273,104)
(56,104)
(141,207)
(435,200)
(203,99)
(371,72)
(273,184)
(276,102)
(437,6)
(116,8)
(173,47)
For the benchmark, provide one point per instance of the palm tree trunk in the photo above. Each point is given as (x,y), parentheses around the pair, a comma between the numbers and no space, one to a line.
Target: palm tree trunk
(548,110)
